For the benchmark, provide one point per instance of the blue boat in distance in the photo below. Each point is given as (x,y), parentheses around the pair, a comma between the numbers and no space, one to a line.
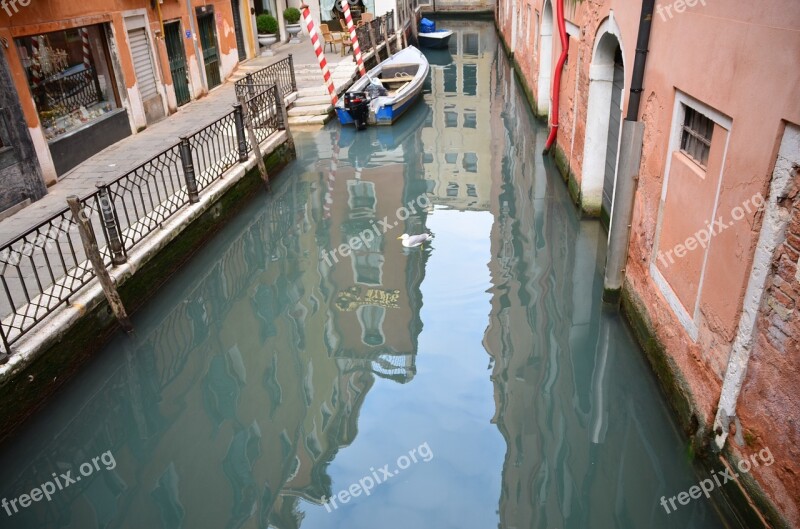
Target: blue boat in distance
(386,92)
(430,37)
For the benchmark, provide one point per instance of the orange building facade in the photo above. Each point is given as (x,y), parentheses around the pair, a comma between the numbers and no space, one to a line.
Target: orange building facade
(711,265)
(90,73)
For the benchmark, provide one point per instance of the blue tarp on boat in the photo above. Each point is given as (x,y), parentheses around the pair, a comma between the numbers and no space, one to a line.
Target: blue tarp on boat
(427,26)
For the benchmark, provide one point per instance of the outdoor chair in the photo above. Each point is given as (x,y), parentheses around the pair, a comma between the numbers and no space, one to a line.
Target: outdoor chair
(328,37)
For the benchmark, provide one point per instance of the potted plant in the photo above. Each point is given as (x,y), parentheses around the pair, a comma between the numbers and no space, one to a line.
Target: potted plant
(267,26)
(292,16)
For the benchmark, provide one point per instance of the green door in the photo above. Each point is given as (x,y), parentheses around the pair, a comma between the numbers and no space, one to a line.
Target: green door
(208,39)
(177,62)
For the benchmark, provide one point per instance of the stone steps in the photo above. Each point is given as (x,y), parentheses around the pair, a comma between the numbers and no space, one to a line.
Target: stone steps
(310,110)
(310,120)
(312,100)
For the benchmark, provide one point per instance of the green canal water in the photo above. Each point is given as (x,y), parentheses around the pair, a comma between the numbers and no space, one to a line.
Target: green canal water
(476,382)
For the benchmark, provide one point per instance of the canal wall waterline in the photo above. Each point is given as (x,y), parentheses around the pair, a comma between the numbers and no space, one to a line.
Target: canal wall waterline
(747,500)
(71,336)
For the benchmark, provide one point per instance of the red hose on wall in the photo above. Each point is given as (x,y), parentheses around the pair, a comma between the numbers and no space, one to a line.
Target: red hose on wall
(562,33)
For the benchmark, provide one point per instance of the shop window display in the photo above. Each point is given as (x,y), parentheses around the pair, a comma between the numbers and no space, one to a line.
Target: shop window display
(69,77)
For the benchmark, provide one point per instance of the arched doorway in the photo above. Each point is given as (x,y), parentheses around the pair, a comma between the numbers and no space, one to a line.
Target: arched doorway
(545,60)
(603,120)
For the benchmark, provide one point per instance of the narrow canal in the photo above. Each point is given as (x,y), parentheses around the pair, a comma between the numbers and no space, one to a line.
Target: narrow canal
(285,365)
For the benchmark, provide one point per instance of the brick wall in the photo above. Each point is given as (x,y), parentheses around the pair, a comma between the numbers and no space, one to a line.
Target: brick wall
(768,405)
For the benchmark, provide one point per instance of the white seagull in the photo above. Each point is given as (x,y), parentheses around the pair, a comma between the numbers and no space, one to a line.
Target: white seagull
(412,241)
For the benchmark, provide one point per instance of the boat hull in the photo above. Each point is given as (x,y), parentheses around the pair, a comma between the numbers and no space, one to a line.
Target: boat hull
(386,110)
(435,40)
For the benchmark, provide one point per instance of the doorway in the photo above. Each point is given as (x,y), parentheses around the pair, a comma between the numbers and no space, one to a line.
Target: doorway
(177,62)
(208,40)
(237,28)
(612,146)
(603,119)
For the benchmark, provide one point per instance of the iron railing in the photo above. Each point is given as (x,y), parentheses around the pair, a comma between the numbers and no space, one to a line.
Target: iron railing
(47,265)
(280,73)
(264,113)
(69,92)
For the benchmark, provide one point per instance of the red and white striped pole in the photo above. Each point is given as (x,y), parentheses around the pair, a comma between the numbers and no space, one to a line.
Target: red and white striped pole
(326,206)
(323,64)
(353,37)
(87,53)
(36,65)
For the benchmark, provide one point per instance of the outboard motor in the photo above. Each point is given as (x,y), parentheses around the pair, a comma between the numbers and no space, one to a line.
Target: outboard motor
(357,105)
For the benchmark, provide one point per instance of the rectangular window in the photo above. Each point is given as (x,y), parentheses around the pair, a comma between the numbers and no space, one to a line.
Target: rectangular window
(451,157)
(452,189)
(450,119)
(69,77)
(427,158)
(470,120)
(470,162)
(450,78)
(470,79)
(472,191)
(471,44)
(696,136)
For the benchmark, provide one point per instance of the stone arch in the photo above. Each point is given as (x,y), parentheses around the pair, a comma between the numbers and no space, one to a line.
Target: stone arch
(603,120)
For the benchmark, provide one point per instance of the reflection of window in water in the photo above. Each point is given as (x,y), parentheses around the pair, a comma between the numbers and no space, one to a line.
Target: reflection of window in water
(471,44)
(470,78)
(69,77)
(371,319)
(450,79)
(368,268)
(450,119)
(470,162)
(427,157)
(452,189)
(470,120)
(471,191)
(451,157)
(361,195)
(453,44)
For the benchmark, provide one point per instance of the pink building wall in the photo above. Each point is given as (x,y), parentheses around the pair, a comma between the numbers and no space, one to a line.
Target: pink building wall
(735,63)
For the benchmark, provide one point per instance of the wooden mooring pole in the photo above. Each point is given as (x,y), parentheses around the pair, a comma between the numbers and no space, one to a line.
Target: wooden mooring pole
(251,134)
(93,253)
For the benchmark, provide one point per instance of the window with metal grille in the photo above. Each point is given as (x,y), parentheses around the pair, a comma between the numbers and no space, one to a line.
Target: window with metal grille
(696,136)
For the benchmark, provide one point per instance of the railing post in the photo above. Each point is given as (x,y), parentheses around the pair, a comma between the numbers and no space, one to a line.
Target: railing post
(6,348)
(241,138)
(284,116)
(188,170)
(291,69)
(250,87)
(110,226)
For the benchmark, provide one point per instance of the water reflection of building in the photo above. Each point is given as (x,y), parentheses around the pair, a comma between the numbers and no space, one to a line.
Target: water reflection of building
(576,434)
(256,368)
(457,129)
(373,194)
